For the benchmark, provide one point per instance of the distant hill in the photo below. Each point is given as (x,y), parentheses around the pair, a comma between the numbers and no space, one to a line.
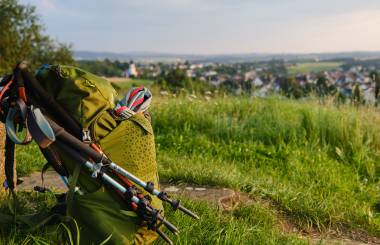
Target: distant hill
(225,58)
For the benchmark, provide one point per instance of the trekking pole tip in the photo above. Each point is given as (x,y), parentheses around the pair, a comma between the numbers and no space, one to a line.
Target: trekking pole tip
(188,212)
(164,236)
(170,227)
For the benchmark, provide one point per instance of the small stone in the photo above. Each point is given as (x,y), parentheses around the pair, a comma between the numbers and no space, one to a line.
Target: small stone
(200,189)
(171,189)
(189,188)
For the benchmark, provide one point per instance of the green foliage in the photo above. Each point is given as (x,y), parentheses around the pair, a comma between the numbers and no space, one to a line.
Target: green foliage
(230,85)
(22,38)
(173,79)
(105,67)
(291,88)
(176,80)
(277,67)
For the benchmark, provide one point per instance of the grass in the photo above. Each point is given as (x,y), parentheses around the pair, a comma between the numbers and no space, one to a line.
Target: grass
(29,159)
(308,67)
(27,203)
(318,163)
(246,225)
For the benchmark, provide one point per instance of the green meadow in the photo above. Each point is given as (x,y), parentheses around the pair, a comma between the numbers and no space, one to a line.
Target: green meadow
(318,165)
(307,67)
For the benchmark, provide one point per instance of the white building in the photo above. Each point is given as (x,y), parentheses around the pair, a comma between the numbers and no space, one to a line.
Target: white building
(131,71)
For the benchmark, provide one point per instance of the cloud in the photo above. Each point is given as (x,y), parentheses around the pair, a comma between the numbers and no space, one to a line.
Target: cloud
(212,26)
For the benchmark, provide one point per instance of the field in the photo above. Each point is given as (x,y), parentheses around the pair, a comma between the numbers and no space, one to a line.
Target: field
(308,67)
(315,166)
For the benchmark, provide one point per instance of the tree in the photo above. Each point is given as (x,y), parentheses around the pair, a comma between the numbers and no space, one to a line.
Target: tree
(175,79)
(22,38)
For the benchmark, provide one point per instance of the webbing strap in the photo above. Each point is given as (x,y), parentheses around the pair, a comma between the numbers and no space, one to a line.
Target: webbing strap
(39,127)
(10,164)
(11,127)
(5,88)
(72,184)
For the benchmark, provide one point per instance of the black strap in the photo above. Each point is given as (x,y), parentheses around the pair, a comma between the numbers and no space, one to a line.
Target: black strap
(10,164)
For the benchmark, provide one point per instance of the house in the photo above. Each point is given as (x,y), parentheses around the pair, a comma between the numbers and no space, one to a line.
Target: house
(249,76)
(131,72)
(190,73)
(257,82)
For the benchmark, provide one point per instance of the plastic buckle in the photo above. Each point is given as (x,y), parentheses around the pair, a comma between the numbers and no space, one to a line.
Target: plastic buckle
(96,168)
(86,136)
(5,185)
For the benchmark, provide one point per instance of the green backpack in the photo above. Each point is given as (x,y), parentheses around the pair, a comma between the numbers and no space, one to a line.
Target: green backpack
(84,96)
(106,150)
(89,99)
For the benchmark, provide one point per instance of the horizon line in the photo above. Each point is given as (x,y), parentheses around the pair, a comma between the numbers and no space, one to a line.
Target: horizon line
(221,54)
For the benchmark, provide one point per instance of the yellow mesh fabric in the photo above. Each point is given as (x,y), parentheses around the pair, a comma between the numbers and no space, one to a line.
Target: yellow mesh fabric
(131,145)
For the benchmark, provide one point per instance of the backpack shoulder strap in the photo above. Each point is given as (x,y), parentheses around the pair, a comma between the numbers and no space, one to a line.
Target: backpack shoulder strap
(10,164)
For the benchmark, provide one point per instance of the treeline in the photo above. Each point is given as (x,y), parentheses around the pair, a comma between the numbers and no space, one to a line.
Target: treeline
(105,67)
(370,64)
(22,38)
(175,80)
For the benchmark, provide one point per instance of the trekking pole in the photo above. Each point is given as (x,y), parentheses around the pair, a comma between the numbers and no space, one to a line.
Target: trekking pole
(143,207)
(105,162)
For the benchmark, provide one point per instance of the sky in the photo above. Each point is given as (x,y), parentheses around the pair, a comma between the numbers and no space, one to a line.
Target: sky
(213,26)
